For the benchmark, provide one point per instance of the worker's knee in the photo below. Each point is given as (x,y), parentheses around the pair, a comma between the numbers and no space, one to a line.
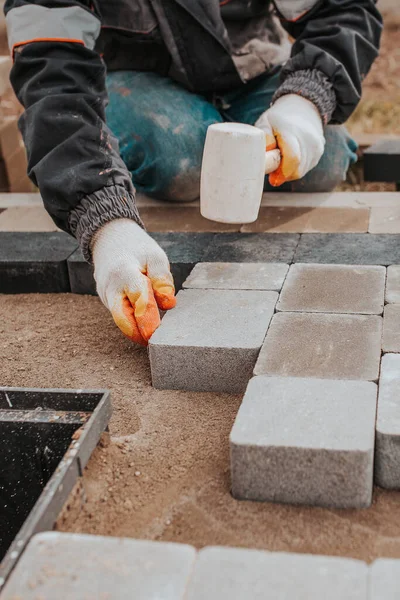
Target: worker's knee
(339,154)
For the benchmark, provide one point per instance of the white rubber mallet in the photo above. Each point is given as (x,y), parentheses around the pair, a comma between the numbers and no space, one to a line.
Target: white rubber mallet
(232,174)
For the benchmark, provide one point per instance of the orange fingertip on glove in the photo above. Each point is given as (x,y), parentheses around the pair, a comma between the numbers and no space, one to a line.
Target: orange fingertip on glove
(137,315)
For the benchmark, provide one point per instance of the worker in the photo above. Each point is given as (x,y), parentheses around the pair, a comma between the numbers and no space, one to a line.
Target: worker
(170,68)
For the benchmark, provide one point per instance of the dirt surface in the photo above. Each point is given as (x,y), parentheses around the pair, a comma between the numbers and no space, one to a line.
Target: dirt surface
(163,473)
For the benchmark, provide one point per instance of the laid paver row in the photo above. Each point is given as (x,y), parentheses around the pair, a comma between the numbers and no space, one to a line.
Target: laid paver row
(86,566)
(309,437)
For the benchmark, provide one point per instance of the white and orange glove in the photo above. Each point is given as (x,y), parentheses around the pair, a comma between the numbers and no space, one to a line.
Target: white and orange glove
(294,125)
(133,278)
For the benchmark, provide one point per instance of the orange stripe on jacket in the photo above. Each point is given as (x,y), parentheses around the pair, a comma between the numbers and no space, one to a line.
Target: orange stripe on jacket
(72,41)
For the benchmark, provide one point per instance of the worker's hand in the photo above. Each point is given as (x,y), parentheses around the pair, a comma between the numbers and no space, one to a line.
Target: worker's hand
(294,125)
(133,278)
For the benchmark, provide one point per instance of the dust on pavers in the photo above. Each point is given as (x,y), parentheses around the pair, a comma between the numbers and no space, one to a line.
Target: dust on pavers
(348,248)
(237,276)
(211,340)
(35,262)
(252,247)
(223,573)
(330,346)
(333,289)
(391,328)
(387,449)
(384,579)
(392,294)
(78,567)
(305,441)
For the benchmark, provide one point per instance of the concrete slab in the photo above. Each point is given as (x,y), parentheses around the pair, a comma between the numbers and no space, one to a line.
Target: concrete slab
(8,200)
(35,262)
(349,249)
(81,274)
(333,289)
(27,218)
(322,345)
(237,574)
(252,247)
(305,441)
(175,217)
(291,219)
(237,276)
(331,199)
(79,567)
(391,328)
(211,340)
(392,294)
(384,579)
(385,219)
(387,449)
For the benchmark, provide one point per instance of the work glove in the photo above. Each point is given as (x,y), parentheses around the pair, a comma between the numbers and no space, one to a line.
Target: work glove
(294,125)
(133,278)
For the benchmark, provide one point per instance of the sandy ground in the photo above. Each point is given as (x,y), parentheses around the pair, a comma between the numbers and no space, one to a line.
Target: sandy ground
(163,473)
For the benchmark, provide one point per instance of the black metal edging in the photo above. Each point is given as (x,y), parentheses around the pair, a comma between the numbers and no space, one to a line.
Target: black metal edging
(17,406)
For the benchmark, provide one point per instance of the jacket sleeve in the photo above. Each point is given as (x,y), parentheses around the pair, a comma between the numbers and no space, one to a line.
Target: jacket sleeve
(60,80)
(336,42)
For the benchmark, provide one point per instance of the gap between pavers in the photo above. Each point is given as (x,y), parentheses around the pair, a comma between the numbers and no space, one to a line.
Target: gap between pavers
(387,448)
(305,441)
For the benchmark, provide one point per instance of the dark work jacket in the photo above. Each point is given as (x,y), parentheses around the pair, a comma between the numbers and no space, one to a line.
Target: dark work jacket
(62,48)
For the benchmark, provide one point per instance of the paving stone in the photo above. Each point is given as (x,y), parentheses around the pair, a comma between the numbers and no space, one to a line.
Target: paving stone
(385,219)
(211,340)
(391,328)
(81,274)
(286,219)
(392,293)
(331,199)
(322,345)
(387,449)
(381,161)
(237,276)
(79,567)
(346,248)
(384,579)
(252,247)
(34,262)
(27,218)
(8,200)
(174,217)
(305,441)
(333,289)
(236,574)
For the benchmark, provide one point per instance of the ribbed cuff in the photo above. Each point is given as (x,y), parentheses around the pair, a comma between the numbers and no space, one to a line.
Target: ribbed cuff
(97,209)
(313,85)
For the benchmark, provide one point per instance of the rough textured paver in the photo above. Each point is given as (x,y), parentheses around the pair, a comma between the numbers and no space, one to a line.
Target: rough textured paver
(387,450)
(27,218)
(392,294)
(305,441)
(385,219)
(252,247)
(384,579)
(211,340)
(349,249)
(239,574)
(35,262)
(322,345)
(237,276)
(391,328)
(309,220)
(333,289)
(81,567)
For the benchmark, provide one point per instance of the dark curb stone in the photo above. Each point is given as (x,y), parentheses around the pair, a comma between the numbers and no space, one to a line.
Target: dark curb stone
(349,248)
(252,247)
(81,274)
(382,161)
(34,262)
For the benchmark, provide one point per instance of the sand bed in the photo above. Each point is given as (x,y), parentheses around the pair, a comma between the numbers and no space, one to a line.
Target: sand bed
(163,473)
